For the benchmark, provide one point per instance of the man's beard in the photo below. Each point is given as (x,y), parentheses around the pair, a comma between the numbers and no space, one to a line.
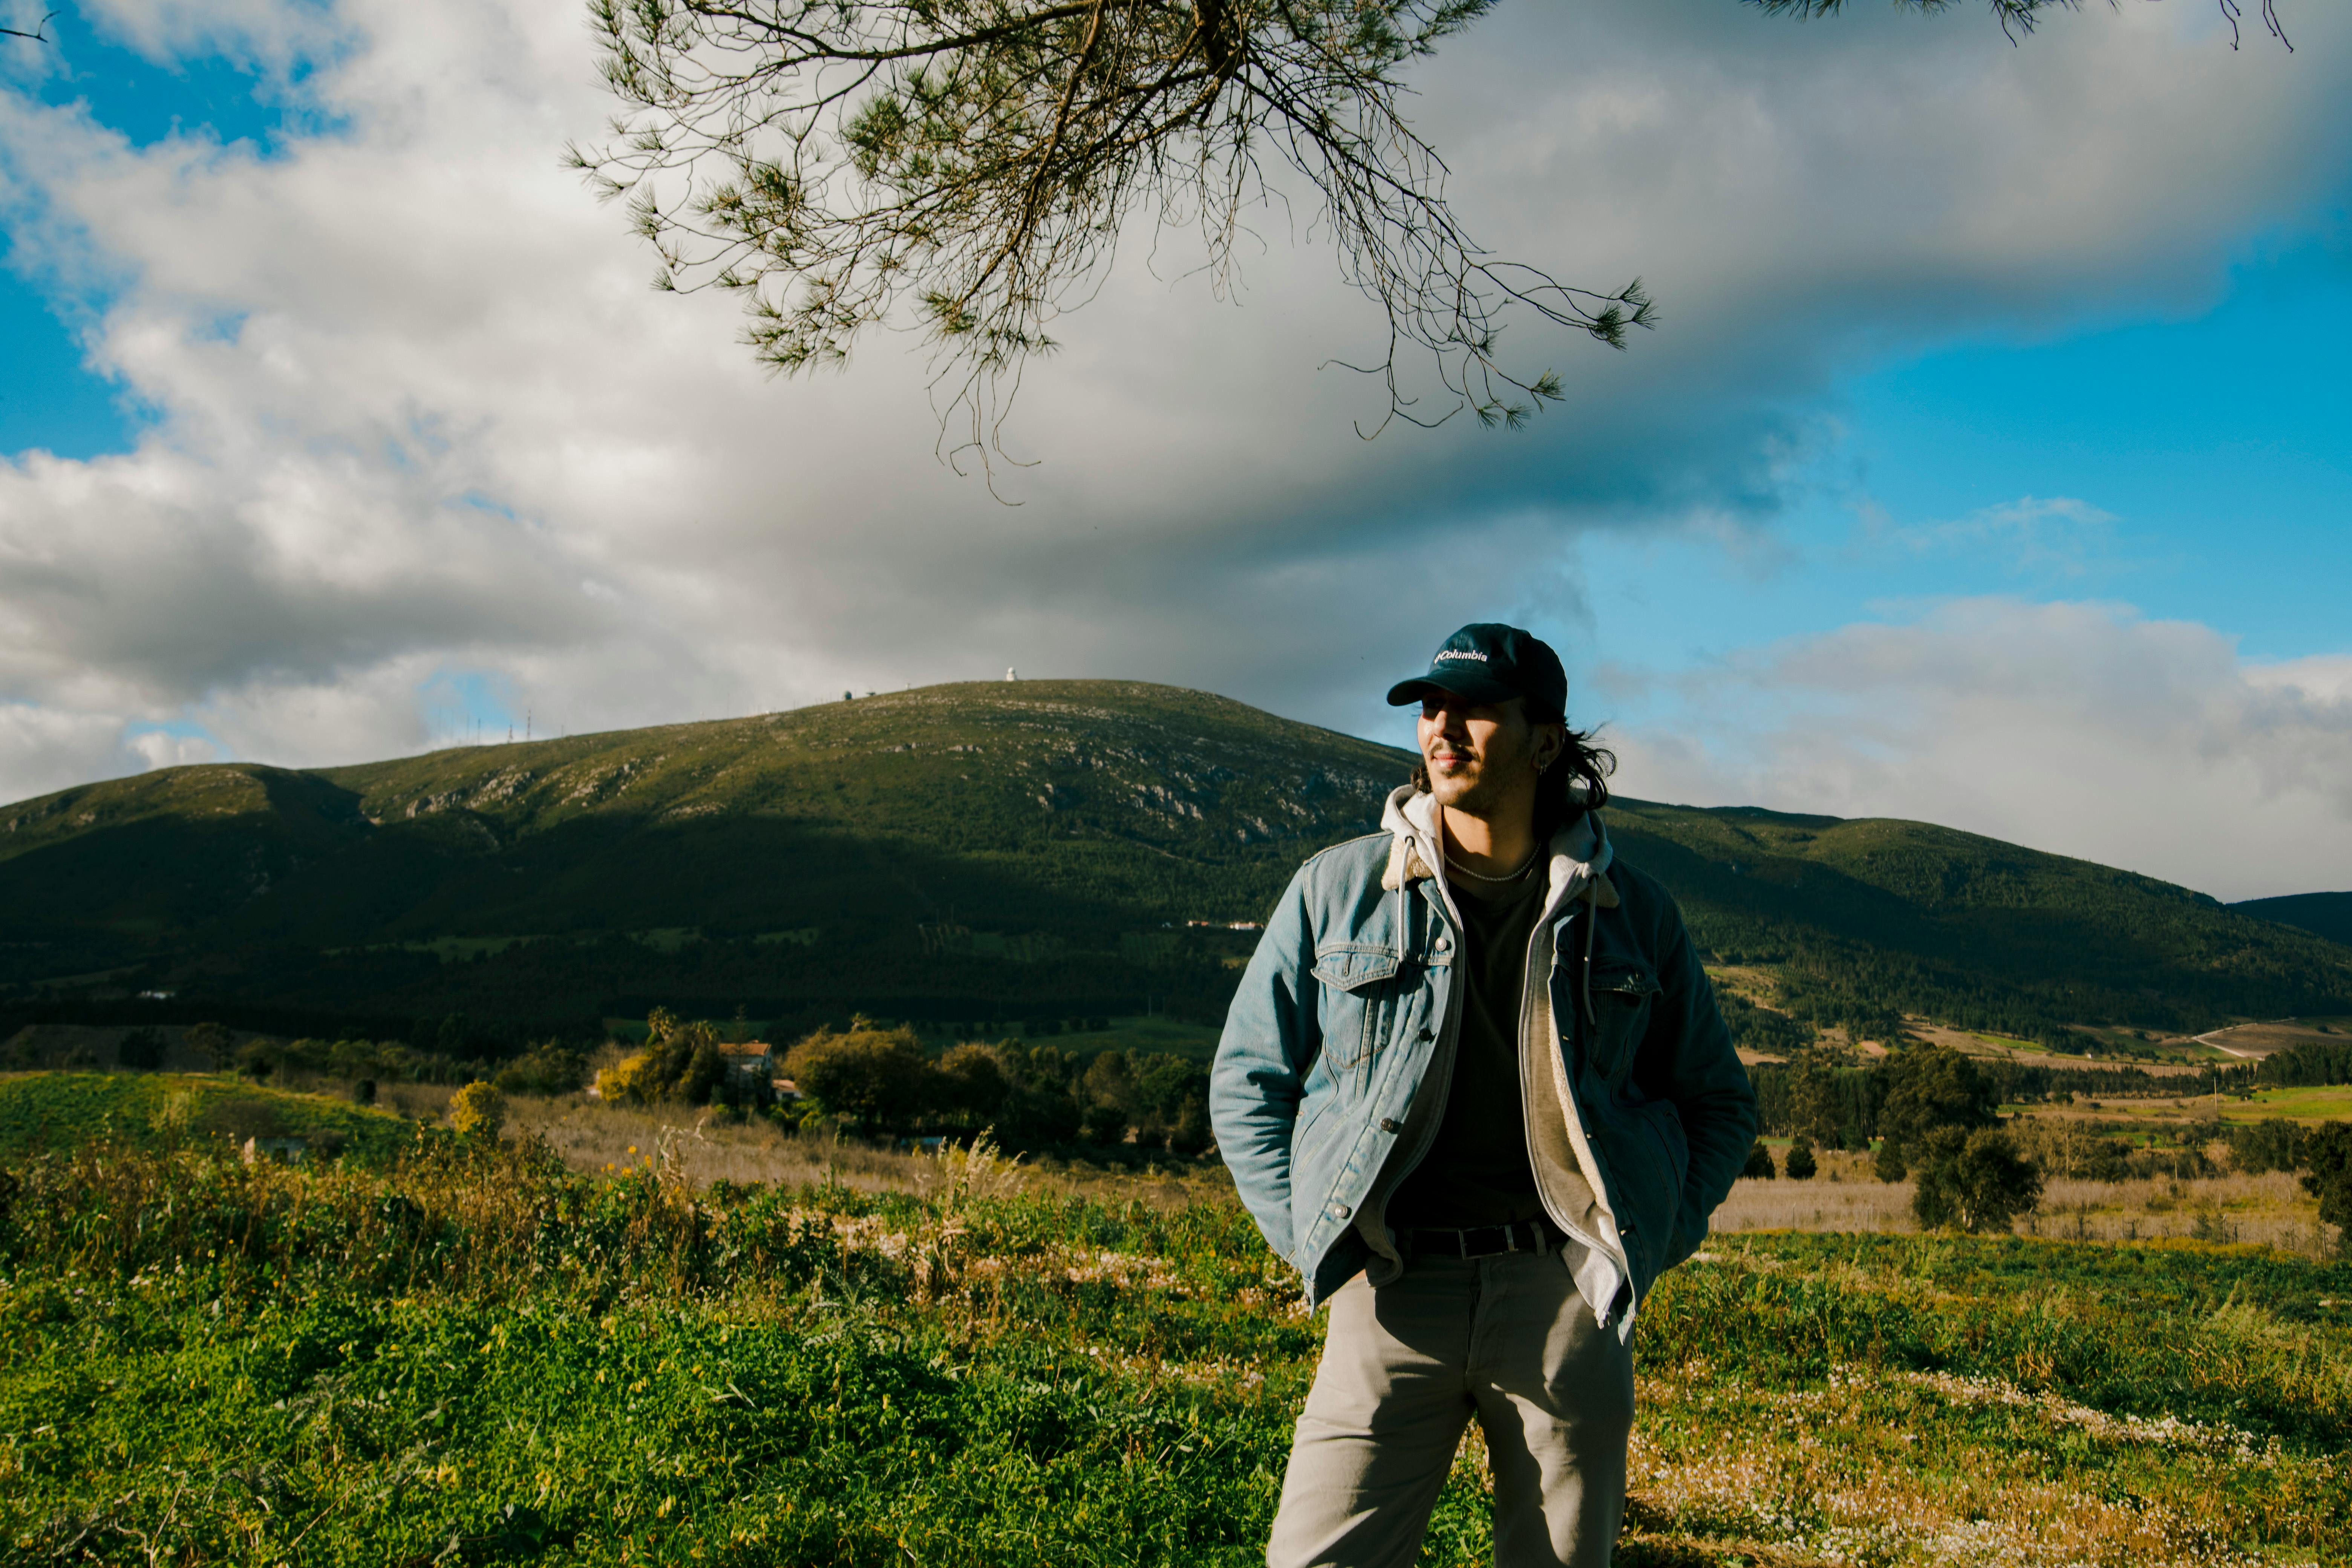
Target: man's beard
(1474,794)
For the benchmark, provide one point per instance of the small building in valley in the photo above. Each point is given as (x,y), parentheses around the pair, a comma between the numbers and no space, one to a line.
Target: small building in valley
(751,1064)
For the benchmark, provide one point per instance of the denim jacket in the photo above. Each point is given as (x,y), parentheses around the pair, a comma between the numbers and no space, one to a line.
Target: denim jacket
(1338,1053)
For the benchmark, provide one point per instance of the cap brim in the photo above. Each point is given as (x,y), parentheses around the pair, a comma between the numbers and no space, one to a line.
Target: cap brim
(1465,684)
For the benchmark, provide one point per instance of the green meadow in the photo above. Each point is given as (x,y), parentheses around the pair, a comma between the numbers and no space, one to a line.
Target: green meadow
(471,1354)
(2318,1104)
(42,1110)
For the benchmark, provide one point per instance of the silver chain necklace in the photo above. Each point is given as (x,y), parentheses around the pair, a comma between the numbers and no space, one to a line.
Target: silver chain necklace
(1506,876)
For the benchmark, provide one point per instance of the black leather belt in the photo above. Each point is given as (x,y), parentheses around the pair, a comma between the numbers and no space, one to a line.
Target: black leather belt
(1485,1240)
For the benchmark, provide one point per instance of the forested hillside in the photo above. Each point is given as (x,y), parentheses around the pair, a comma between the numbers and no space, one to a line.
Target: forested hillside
(1870,917)
(980,852)
(2322,914)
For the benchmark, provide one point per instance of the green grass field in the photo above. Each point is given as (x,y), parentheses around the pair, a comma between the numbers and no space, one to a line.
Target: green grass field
(56,1111)
(2333,1104)
(479,1357)
(1157,1033)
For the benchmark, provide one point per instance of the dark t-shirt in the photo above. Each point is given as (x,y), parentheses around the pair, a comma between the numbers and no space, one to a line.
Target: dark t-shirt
(1477,1172)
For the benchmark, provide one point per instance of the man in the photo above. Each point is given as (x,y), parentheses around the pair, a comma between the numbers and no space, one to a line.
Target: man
(1475,1087)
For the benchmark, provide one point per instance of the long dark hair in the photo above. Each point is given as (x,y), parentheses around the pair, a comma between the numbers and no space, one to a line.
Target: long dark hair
(1577,782)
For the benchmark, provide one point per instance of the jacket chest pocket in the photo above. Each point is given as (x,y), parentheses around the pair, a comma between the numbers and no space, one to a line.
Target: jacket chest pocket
(1622,996)
(1362,985)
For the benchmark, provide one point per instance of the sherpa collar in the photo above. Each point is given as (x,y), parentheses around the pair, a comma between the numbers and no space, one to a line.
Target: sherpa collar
(1580,852)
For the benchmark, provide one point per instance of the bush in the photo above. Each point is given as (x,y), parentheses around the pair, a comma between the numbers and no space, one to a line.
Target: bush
(873,1076)
(1800,1166)
(477,1110)
(2182,1162)
(626,1081)
(1974,1180)
(212,1043)
(970,1085)
(2070,1148)
(681,1061)
(1929,1089)
(1103,1123)
(1033,1116)
(1760,1164)
(2274,1144)
(2328,1151)
(549,1067)
(1109,1097)
(1192,1133)
(141,1050)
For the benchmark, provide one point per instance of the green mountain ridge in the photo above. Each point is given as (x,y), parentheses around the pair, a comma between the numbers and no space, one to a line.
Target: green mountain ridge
(2322,914)
(991,850)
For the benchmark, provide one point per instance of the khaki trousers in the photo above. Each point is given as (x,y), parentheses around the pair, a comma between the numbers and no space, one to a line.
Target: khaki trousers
(1406,1366)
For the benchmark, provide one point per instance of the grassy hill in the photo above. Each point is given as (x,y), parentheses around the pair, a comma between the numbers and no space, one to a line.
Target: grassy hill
(2323,914)
(1868,916)
(981,852)
(61,1111)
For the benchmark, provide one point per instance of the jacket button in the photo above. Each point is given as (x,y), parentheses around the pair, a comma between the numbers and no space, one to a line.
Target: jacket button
(1390,1124)
(1340,1211)
(1429,1034)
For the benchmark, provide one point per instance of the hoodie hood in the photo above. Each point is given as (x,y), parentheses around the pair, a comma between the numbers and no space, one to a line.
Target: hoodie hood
(1580,854)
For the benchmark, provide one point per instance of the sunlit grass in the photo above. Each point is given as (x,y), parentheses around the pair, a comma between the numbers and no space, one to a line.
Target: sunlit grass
(215,1362)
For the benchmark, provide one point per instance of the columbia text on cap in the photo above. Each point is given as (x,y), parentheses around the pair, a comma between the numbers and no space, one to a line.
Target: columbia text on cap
(1487,661)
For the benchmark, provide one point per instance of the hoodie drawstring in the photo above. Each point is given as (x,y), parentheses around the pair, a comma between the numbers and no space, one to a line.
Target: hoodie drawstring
(1592,920)
(1406,945)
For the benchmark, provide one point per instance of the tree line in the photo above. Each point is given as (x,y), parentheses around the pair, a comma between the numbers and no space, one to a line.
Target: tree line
(1932,1114)
(2313,1065)
(878,1080)
(546,1067)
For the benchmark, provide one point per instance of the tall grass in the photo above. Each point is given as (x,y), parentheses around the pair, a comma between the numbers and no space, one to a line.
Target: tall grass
(2271,1209)
(477,1354)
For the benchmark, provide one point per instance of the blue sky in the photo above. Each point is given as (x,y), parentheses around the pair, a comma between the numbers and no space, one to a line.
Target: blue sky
(50,396)
(2211,455)
(1995,415)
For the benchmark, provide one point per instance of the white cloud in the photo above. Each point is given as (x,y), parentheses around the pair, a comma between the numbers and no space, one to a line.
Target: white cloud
(161,749)
(42,748)
(419,411)
(2076,728)
(2059,535)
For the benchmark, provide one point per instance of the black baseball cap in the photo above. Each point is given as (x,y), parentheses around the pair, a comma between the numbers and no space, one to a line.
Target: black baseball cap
(1488,662)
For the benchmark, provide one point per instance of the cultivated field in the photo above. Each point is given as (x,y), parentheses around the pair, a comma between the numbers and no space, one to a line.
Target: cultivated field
(2253,1041)
(2329,1103)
